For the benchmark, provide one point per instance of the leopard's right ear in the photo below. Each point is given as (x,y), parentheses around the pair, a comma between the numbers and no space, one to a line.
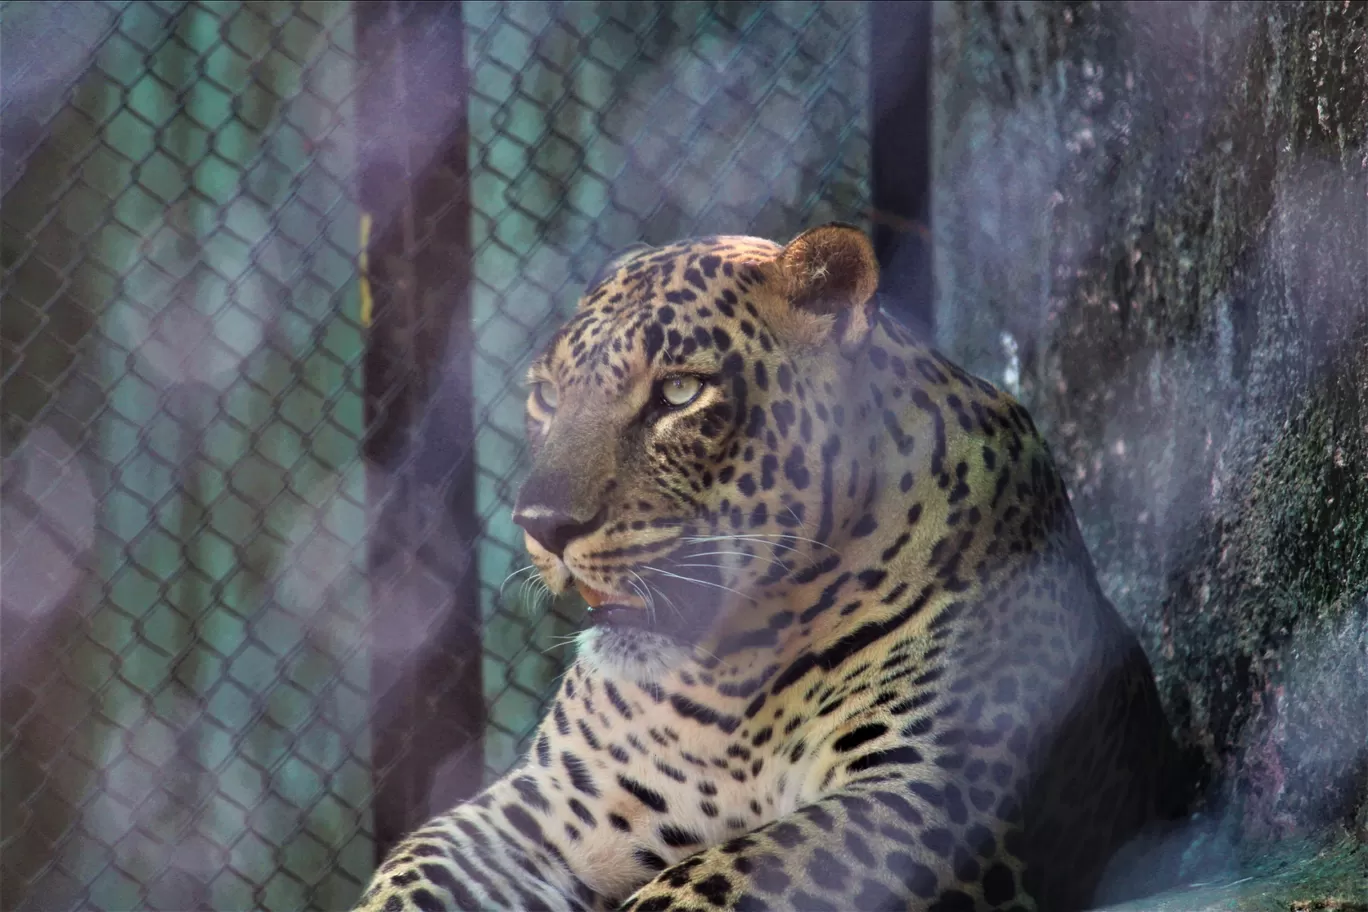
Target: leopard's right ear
(830,272)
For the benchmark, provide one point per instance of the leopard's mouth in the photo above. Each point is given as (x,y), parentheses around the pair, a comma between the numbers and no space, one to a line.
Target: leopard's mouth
(612,608)
(634,615)
(597,598)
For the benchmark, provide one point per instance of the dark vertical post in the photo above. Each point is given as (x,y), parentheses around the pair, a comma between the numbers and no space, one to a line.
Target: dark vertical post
(427,711)
(900,102)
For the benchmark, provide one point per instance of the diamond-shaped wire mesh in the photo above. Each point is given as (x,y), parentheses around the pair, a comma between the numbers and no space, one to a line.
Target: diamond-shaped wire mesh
(188,647)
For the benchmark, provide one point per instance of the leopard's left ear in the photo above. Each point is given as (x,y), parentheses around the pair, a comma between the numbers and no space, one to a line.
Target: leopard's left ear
(830,271)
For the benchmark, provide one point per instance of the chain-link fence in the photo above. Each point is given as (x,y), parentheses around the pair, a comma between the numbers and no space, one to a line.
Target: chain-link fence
(272,272)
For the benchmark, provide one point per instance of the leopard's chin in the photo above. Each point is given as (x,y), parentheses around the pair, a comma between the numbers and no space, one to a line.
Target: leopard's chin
(631,651)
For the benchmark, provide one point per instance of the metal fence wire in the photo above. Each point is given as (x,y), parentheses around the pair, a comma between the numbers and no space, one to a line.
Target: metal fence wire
(239,303)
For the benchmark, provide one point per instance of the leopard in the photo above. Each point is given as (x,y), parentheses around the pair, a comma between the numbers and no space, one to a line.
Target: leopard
(845,646)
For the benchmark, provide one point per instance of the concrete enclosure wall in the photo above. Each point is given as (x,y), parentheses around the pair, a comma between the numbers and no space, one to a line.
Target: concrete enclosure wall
(1151,223)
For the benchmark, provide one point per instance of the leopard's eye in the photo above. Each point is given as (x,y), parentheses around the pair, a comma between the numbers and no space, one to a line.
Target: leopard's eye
(545,393)
(680,391)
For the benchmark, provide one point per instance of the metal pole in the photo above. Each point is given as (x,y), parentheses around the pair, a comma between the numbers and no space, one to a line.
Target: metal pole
(428,713)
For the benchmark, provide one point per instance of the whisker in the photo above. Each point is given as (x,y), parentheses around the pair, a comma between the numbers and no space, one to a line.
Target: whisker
(533,592)
(778,546)
(699,582)
(771,560)
(519,572)
(751,537)
(764,537)
(694,566)
(745,541)
(671,602)
(543,596)
(797,518)
(711,655)
(559,642)
(645,597)
(810,541)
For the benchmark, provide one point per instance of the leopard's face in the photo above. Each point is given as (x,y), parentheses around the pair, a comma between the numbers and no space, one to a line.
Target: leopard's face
(680,424)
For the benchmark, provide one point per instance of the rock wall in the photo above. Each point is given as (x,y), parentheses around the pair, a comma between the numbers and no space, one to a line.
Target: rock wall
(1151,223)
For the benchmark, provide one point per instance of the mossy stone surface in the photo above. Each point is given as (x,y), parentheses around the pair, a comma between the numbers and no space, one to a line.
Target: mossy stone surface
(1304,876)
(1151,224)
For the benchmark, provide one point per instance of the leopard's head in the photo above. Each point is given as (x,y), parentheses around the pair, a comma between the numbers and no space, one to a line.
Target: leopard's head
(685,426)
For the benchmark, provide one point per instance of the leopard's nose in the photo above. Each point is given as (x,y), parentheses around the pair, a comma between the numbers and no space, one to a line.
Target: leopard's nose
(554,529)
